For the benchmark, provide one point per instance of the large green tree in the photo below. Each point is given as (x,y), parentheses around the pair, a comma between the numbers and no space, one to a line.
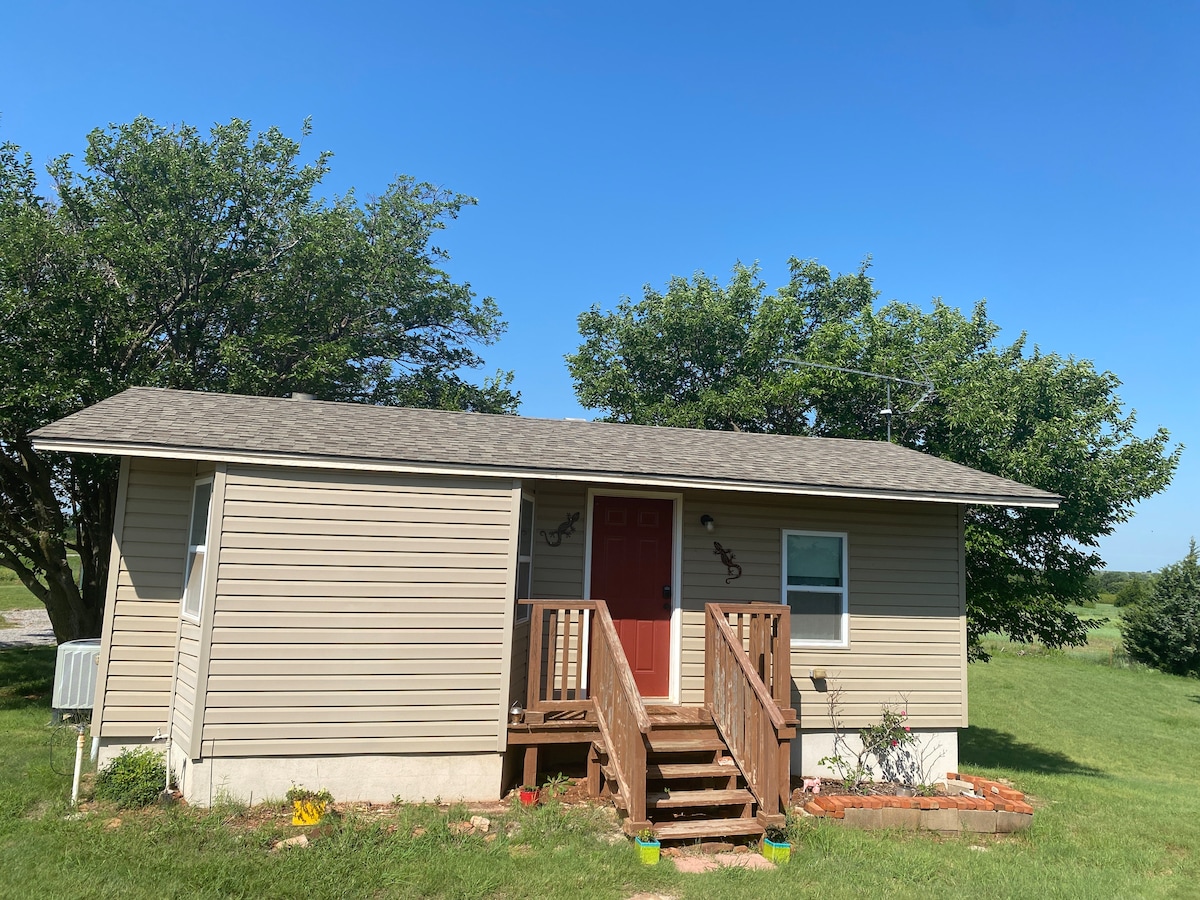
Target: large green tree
(707,355)
(179,259)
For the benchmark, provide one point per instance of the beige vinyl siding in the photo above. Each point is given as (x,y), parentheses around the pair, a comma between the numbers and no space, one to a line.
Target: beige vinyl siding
(905,600)
(138,658)
(558,571)
(359,613)
(907,622)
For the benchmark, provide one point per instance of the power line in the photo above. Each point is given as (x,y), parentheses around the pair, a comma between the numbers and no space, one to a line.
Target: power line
(929,386)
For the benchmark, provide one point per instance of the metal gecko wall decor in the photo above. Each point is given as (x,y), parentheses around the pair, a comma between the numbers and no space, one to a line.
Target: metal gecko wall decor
(727,560)
(566,529)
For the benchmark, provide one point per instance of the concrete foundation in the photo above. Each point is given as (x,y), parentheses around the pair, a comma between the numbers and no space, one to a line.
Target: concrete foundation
(378,779)
(933,755)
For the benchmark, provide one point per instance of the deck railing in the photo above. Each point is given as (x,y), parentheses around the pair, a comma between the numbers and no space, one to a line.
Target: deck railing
(764,631)
(558,655)
(621,715)
(756,721)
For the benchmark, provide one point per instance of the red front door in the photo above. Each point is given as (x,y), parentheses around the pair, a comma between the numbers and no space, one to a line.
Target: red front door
(631,572)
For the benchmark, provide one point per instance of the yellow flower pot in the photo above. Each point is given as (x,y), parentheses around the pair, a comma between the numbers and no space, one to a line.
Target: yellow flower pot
(307,812)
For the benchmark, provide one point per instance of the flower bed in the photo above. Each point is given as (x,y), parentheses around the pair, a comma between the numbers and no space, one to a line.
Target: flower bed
(1000,809)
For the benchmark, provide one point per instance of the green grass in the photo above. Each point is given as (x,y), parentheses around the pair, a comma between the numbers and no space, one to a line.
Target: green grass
(14,595)
(1108,754)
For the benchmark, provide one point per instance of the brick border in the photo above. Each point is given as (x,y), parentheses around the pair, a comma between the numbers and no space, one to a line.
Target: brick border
(1001,809)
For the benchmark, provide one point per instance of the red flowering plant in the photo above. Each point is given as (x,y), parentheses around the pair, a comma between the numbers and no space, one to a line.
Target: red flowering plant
(879,742)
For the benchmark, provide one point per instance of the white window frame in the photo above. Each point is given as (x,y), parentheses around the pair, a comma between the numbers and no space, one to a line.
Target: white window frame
(523,610)
(843,590)
(196,552)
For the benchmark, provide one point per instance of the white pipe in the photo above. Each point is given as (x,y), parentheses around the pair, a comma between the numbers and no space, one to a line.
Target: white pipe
(78,768)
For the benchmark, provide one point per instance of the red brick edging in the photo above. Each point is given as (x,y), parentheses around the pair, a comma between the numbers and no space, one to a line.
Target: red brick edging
(950,813)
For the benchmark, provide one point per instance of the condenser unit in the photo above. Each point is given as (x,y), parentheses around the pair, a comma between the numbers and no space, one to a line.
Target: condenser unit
(75,674)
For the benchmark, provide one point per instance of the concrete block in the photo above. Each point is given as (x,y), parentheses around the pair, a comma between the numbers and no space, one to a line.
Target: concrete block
(955,786)
(940,820)
(869,819)
(1008,822)
(977,820)
(904,819)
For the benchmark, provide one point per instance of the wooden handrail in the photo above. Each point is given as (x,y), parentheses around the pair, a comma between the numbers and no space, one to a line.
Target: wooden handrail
(621,715)
(754,724)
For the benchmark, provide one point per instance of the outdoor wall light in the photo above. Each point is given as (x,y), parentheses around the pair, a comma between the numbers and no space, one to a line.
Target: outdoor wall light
(707,521)
(515,712)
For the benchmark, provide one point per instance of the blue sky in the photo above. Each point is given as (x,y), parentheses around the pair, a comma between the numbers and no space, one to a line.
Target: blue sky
(1040,155)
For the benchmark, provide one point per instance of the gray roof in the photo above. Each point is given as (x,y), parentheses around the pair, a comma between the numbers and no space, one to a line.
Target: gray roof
(188,424)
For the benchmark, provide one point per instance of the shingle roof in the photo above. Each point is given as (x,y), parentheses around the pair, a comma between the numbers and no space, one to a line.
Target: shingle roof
(166,423)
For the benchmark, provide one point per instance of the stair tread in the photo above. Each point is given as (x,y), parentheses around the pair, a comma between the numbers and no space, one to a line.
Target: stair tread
(685,745)
(677,799)
(668,771)
(706,828)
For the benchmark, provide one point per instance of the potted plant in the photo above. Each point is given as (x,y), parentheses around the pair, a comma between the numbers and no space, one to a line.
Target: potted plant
(308,805)
(775,845)
(529,795)
(648,847)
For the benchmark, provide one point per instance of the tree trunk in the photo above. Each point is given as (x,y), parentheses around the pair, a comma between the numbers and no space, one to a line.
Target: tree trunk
(33,539)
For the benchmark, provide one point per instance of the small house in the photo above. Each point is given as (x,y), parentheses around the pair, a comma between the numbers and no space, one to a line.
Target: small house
(415,603)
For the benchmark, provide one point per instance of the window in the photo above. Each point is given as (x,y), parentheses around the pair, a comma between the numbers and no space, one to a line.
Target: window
(814,587)
(193,576)
(525,558)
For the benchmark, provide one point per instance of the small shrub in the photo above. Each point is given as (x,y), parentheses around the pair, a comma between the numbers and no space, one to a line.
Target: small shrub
(1163,630)
(135,777)
(300,794)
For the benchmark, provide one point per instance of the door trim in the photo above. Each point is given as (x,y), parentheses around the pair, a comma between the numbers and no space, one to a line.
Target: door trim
(675,673)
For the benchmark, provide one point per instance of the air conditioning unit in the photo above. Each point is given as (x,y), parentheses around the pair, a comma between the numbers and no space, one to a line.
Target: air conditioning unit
(75,674)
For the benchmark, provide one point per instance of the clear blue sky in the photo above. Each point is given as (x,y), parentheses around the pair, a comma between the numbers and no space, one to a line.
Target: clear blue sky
(1042,156)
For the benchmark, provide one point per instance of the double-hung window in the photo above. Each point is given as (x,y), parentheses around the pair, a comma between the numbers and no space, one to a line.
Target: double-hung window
(814,587)
(524,588)
(193,576)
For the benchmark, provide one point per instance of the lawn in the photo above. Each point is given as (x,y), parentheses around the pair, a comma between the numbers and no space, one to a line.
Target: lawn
(14,595)
(1108,754)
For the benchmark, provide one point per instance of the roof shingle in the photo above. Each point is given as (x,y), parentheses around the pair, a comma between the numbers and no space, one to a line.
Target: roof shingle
(158,422)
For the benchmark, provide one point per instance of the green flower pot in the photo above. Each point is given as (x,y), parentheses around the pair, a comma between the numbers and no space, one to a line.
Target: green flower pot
(778,853)
(648,851)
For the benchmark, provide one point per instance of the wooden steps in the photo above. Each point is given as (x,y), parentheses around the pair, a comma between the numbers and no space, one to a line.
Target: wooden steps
(693,829)
(694,790)
(686,744)
(692,799)
(679,771)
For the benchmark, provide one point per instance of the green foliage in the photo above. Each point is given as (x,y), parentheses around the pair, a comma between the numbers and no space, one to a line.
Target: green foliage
(1163,630)
(702,355)
(877,744)
(177,259)
(1134,590)
(556,785)
(307,795)
(135,777)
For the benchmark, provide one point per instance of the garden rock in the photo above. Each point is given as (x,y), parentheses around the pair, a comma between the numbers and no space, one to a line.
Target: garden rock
(300,840)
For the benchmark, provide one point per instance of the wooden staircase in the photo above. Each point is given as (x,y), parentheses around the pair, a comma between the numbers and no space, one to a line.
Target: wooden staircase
(686,773)
(694,788)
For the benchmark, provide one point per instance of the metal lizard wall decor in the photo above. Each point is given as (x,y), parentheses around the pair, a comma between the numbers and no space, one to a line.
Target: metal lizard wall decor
(566,529)
(727,558)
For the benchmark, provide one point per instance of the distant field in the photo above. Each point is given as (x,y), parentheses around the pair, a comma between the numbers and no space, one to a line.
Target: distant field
(14,595)
(1104,641)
